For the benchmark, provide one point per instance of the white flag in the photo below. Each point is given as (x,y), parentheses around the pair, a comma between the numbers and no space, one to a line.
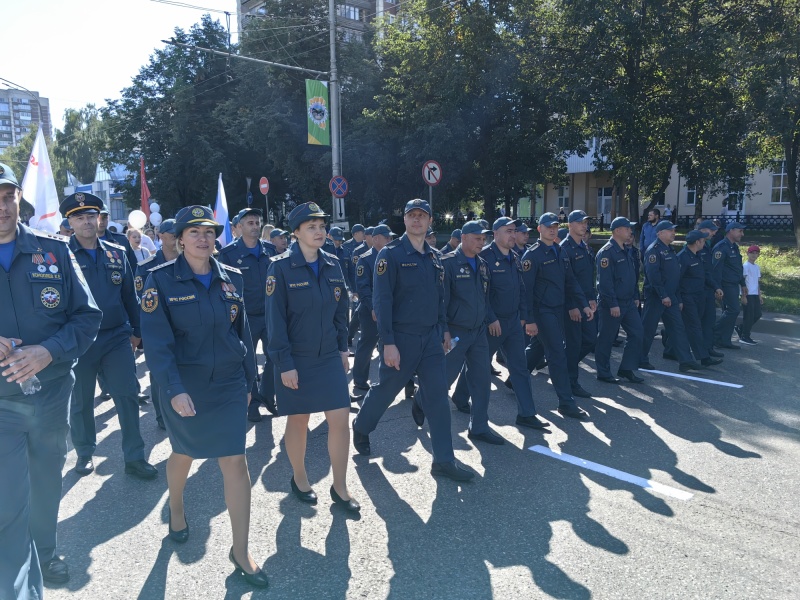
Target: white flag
(221,215)
(39,188)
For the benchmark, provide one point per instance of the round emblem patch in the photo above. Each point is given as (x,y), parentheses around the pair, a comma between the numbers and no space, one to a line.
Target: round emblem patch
(234,312)
(50,297)
(337,293)
(360,270)
(526,265)
(116,277)
(718,254)
(313,207)
(652,259)
(198,212)
(604,262)
(137,281)
(270,285)
(150,300)
(483,271)
(355,259)
(381,266)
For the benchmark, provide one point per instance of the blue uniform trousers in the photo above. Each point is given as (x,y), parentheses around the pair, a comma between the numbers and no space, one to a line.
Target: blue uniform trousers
(654,312)
(694,306)
(550,322)
(708,318)
(263,387)
(581,339)
(512,341)
(723,328)
(423,355)
(355,324)
(471,353)
(33,450)
(111,352)
(364,348)
(631,322)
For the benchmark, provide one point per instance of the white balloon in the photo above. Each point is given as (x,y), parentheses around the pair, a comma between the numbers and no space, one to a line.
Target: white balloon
(155,219)
(137,219)
(154,208)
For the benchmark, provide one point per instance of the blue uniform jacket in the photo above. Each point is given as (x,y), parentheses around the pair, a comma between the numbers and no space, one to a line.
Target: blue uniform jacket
(144,267)
(662,272)
(466,292)
(617,275)
(45,300)
(110,278)
(193,333)
(365,271)
(549,281)
(348,267)
(306,315)
(506,289)
(693,275)
(408,290)
(253,269)
(706,255)
(728,267)
(582,263)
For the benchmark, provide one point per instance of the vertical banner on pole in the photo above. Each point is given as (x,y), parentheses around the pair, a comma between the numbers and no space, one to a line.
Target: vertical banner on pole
(318,113)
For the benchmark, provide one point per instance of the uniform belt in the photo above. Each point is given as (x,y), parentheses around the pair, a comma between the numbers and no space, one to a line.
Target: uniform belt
(410,329)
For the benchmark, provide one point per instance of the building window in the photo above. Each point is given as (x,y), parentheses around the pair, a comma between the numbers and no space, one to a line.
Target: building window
(349,11)
(780,184)
(563,196)
(691,197)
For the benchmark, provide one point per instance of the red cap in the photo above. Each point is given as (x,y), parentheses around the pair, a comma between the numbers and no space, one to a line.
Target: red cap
(753,248)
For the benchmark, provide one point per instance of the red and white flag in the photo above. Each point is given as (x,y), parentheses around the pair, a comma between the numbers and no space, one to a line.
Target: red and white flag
(39,188)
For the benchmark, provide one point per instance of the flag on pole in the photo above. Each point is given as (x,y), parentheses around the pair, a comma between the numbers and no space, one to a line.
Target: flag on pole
(39,188)
(221,215)
(72,180)
(318,113)
(145,189)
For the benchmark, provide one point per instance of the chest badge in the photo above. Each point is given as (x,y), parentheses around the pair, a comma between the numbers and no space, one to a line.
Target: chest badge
(234,312)
(116,277)
(270,285)
(50,297)
(337,293)
(41,269)
(138,283)
(150,300)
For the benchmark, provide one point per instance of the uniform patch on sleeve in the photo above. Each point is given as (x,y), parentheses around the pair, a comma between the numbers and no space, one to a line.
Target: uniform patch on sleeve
(652,259)
(337,293)
(270,285)
(381,266)
(137,281)
(526,265)
(150,300)
(360,270)
(604,263)
(718,254)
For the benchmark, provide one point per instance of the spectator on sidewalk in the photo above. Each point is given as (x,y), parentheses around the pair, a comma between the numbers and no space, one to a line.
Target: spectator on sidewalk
(751,303)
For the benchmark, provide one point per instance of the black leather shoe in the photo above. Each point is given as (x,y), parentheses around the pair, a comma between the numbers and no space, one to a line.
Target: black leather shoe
(647,366)
(358,394)
(714,354)
(494,371)
(489,437)
(630,376)
(253,414)
(350,505)
(84,465)
(451,470)
(669,356)
(411,389)
(508,383)
(710,362)
(257,579)
(688,367)
(578,391)
(728,346)
(271,406)
(55,571)
(573,412)
(417,413)
(105,396)
(532,422)
(180,537)
(609,379)
(355,399)
(463,409)
(309,497)
(361,443)
(160,423)
(141,469)
(142,398)
(540,366)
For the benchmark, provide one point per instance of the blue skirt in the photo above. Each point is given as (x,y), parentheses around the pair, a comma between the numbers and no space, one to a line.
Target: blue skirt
(322,385)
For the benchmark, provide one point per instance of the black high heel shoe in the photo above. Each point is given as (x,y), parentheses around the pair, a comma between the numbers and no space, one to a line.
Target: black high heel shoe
(181,536)
(350,505)
(310,497)
(258,579)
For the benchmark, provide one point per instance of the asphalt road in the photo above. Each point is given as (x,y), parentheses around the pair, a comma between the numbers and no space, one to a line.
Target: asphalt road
(530,526)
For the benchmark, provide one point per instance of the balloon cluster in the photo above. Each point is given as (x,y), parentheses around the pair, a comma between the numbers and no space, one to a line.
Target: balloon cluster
(137,219)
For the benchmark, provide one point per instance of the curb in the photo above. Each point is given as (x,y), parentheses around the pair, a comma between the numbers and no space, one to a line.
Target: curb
(778,324)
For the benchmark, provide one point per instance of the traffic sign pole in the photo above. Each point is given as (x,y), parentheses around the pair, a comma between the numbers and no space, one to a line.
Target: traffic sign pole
(263,186)
(431,175)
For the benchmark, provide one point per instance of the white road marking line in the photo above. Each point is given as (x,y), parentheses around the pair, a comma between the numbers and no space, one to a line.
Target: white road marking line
(647,484)
(691,378)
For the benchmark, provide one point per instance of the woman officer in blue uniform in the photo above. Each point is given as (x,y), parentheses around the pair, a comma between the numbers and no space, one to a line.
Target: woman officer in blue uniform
(201,355)
(307,325)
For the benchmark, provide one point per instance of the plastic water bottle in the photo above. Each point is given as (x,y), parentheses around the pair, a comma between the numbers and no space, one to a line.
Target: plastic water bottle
(453,343)
(30,385)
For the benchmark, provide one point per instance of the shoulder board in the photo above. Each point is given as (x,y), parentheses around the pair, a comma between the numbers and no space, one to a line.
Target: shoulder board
(369,252)
(282,256)
(329,254)
(228,248)
(113,245)
(52,236)
(394,243)
(448,255)
(147,260)
(229,268)
(161,266)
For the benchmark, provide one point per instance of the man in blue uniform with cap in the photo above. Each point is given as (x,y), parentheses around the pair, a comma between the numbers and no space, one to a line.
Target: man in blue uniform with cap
(452,243)
(279,240)
(360,249)
(712,291)
(105,234)
(251,255)
(507,315)
(729,275)
(349,269)
(48,319)
(408,298)
(521,236)
(551,291)
(618,301)
(110,278)
(662,272)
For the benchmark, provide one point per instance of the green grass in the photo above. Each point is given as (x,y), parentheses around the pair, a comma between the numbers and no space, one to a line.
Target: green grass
(780,278)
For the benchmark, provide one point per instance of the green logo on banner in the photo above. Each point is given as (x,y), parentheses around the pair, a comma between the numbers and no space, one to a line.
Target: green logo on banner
(317,109)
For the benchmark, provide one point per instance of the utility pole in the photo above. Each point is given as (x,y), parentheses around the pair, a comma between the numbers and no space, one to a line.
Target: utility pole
(336,155)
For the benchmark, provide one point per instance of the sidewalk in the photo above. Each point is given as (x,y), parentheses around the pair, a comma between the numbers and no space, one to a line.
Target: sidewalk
(778,324)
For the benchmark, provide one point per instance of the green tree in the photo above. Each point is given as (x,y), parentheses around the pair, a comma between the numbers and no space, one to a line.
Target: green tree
(77,148)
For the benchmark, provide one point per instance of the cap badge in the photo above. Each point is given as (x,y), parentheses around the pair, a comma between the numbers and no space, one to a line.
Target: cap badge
(313,207)
(198,212)
(80,198)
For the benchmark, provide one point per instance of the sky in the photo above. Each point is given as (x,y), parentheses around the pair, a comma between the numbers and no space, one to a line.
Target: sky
(77,52)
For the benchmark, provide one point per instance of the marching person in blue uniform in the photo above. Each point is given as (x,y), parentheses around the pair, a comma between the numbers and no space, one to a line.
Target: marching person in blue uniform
(365,273)
(466,300)
(693,293)
(48,319)
(408,298)
(618,303)
(360,249)
(729,275)
(581,335)
(521,237)
(552,293)
(167,252)
(105,234)
(662,299)
(507,315)
(110,278)
(251,255)
(712,292)
(349,268)
(452,243)
(307,311)
(200,352)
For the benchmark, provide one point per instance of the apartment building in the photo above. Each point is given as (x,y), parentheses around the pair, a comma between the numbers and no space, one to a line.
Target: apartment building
(19,110)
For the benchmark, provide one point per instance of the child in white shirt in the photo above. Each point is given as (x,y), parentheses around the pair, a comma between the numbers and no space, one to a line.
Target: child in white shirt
(752,301)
